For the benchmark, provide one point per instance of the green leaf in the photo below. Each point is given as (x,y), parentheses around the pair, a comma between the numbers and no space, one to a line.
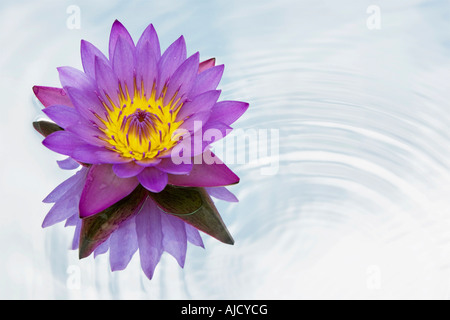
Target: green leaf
(178,200)
(96,229)
(45,127)
(193,206)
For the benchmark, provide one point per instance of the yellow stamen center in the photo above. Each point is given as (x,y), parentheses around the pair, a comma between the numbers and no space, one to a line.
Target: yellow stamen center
(141,127)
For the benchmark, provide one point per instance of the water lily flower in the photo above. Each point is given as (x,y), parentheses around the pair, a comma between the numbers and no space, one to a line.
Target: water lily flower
(131,121)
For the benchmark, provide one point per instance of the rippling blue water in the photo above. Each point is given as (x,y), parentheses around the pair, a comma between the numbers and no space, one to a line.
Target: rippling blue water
(359,94)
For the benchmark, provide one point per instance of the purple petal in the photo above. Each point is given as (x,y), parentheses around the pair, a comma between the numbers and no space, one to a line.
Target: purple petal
(64,116)
(151,37)
(221,193)
(198,142)
(63,187)
(88,55)
(193,236)
(97,155)
(201,103)
(69,119)
(205,65)
(63,142)
(182,79)
(207,80)
(171,59)
(167,165)
(149,236)
(68,164)
(74,78)
(89,133)
(214,131)
(123,244)
(107,81)
(123,64)
(205,175)
(72,221)
(228,111)
(153,179)
(118,31)
(189,145)
(103,188)
(146,68)
(102,248)
(174,237)
(88,105)
(49,96)
(148,162)
(127,170)
(196,121)
(67,205)
(76,235)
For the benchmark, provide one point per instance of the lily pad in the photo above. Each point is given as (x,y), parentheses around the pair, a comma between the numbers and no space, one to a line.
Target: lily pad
(96,229)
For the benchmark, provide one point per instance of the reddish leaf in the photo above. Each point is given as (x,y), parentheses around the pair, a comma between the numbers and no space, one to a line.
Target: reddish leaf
(96,229)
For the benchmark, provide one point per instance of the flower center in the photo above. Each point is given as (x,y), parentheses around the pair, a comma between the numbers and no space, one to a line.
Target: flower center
(141,127)
(139,124)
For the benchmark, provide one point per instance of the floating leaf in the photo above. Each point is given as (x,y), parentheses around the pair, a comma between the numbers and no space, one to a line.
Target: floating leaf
(96,229)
